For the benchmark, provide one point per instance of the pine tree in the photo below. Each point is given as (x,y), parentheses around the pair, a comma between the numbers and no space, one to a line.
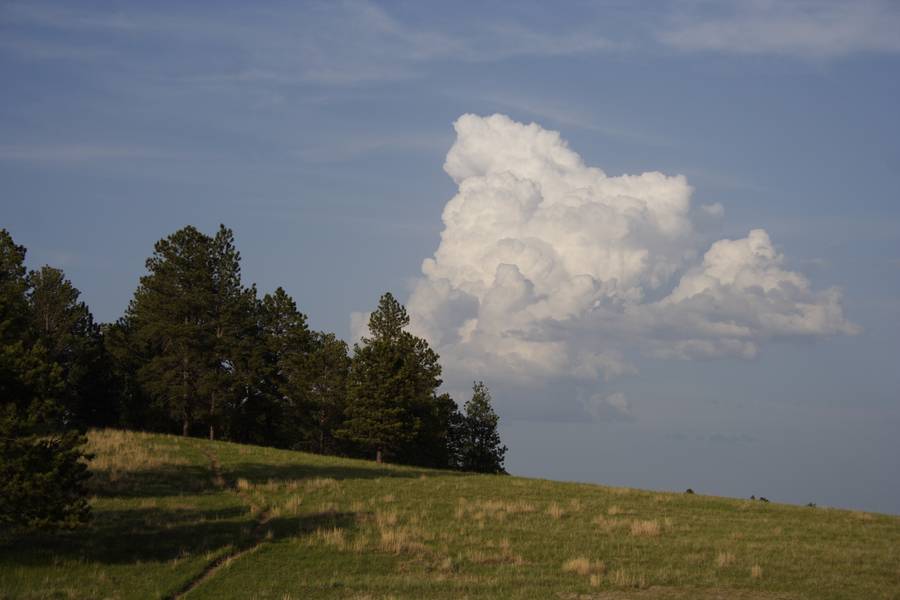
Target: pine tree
(326,371)
(65,327)
(480,449)
(392,374)
(189,320)
(235,327)
(42,471)
(286,342)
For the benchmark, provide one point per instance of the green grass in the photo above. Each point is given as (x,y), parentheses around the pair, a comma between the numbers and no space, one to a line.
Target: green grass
(221,520)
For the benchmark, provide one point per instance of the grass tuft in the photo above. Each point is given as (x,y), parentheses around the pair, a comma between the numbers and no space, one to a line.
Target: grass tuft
(645,528)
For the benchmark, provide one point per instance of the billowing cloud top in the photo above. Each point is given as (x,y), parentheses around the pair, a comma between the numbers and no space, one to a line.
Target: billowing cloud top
(550,268)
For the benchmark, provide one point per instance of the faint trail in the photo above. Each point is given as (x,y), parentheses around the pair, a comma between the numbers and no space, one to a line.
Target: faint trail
(257,535)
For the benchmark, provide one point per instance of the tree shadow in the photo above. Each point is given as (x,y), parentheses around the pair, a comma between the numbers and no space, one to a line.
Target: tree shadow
(159,535)
(162,481)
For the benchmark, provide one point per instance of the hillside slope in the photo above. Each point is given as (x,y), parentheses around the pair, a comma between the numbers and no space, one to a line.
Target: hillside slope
(178,517)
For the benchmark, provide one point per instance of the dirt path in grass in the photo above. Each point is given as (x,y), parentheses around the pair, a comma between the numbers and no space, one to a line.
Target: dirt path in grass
(257,535)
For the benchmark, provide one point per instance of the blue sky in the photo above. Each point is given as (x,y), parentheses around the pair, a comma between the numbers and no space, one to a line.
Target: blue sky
(319,132)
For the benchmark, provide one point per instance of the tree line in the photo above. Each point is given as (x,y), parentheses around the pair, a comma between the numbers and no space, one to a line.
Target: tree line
(199,353)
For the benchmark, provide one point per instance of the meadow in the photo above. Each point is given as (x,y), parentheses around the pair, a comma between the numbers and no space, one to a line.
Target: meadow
(187,518)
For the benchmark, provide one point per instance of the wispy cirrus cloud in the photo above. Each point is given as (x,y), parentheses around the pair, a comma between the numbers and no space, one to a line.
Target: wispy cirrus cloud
(817,29)
(339,43)
(76,152)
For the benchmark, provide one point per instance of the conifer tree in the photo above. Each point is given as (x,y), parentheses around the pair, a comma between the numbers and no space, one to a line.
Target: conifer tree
(65,327)
(286,342)
(480,449)
(188,318)
(326,371)
(42,472)
(392,374)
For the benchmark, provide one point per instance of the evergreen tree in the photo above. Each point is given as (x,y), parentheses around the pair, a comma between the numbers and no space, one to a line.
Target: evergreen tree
(436,443)
(326,370)
(188,318)
(234,322)
(65,327)
(286,343)
(480,449)
(392,375)
(42,471)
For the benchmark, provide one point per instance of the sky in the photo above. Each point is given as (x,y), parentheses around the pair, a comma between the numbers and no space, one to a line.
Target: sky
(666,235)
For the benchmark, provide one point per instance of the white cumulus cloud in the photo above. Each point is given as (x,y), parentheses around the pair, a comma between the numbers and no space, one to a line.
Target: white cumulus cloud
(550,268)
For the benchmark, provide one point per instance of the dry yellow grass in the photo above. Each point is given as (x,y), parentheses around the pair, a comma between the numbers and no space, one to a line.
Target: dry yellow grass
(491,509)
(756,572)
(385,518)
(117,451)
(500,554)
(331,537)
(292,504)
(555,510)
(621,578)
(320,483)
(724,559)
(400,539)
(645,528)
(609,525)
(584,566)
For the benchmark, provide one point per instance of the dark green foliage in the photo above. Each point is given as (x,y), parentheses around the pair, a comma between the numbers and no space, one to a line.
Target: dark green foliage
(392,383)
(282,407)
(65,328)
(42,474)
(325,372)
(480,448)
(192,323)
(437,441)
(197,352)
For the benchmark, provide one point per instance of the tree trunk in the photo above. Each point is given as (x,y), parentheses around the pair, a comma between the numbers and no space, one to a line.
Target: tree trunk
(322,431)
(212,416)
(378,456)
(185,427)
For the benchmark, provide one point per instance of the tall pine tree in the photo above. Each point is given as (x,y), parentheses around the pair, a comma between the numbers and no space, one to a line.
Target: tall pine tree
(392,375)
(188,320)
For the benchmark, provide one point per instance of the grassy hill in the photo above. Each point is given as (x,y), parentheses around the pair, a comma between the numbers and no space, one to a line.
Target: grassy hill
(177,517)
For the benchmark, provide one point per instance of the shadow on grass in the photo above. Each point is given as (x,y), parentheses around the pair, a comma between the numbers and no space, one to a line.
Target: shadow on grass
(177,480)
(167,480)
(158,535)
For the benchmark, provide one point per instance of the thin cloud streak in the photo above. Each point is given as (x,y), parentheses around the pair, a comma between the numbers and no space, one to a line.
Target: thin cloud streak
(345,43)
(793,28)
(69,153)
